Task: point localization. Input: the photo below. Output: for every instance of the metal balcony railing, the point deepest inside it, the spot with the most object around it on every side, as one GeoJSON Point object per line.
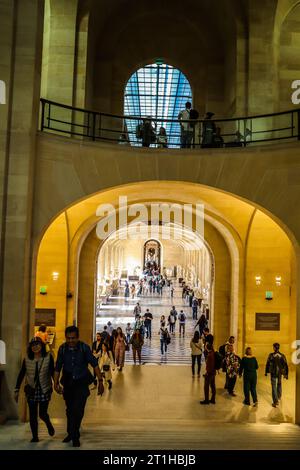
{"type": "Point", "coordinates": [129, 130]}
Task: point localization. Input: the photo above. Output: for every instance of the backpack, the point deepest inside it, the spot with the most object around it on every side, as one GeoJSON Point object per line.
{"type": "Point", "coordinates": [218, 360]}
{"type": "Point", "coordinates": [182, 317]}
{"type": "Point", "coordinates": [222, 350]}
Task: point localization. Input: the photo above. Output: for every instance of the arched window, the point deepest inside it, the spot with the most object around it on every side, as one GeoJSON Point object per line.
{"type": "Point", "coordinates": [160, 91]}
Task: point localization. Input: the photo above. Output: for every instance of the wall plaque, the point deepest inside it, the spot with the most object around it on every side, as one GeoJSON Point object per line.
{"type": "Point", "coordinates": [267, 321]}
{"type": "Point", "coordinates": [45, 316]}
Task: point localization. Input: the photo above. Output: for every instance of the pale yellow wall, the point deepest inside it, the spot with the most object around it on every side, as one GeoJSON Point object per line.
{"type": "Point", "coordinates": [53, 257]}
{"type": "Point", "coordinates": [268, 255]}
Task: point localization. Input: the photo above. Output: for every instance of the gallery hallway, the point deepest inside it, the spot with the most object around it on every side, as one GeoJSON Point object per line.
{"type": "Point", "coordinates": [120, 312]}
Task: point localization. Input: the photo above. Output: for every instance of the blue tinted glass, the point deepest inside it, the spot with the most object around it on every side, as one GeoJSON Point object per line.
{"type": "Point", "coordinates": [159, 91]}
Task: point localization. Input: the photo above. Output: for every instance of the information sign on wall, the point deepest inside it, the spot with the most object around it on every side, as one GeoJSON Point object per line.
{"type": "Point", "coordinates": [267, 321]}
{"type": "Point", "coordinates": [45, 316]}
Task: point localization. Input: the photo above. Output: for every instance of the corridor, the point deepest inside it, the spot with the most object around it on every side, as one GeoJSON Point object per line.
{"type": "Point", "coordinates": [120, 312]}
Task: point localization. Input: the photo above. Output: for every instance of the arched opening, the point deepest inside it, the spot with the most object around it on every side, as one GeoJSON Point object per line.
{"type": "Point", "coordinates": [155, 267]}
{"type": "Point", "coordinates": [157, 91]}
{"type": "Point", "coordinates": [245, 242]}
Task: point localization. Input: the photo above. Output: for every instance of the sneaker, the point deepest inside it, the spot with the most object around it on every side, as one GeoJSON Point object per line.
{"type": "Point", "coordinates": [246, 403]}
{"type": "Point", "coordinates": [35, 439]}
{"type": "Point", "coordinates": [204, 402]}
{"type": "Point", "coordinates": [274, 405]}
{"type": "Point", "coordinates": [213, 402]}
{"type": "Point", "coordinates": [255, 404]}
{"type": "Point", "coordinates": [68, 438]}
{"type": "Point", "coordinates": [232, 394]}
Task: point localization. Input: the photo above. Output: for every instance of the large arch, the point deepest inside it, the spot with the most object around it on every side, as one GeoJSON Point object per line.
{"type": "Point", "coordinates": [237, 234]}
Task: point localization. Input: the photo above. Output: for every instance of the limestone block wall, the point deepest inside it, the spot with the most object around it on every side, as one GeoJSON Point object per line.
{"type": "Point", "coordinates": [21, 33]}
{"type": "Point", "coordinates": [289, 58]}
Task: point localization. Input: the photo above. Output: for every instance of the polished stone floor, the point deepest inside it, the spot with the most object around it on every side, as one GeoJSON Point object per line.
{"type": "Point", "coordinates": [156, 405]}
{"type": "Point", "coordinates": [120, 312]}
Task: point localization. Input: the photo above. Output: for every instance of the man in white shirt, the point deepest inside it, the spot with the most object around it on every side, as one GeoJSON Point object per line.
{"type": "Point", "coordinates": [187, 130]}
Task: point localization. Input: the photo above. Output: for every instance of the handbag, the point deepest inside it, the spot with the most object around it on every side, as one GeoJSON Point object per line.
{"type": "Point", "coordinates": [29, 391]}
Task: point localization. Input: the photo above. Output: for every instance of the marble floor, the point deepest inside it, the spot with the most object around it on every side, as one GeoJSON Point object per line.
{"type": "Point", "coordinates": [156, 405]}
{"type": "Point", "coordinates": [120, 312]}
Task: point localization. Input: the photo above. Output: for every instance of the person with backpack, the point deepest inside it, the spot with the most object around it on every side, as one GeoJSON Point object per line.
{"type": "Point", "coordinates": [73, 359]}
{"type": "Point", "coordinates": [277, 367]}
{"type": "Point", "coordinates": [232, 365]}
{"type": "Point", "coordinates": [196, 348]}
{"type": "Point", "coordinates": [146, 132]}
{"type": "Point", "coordinates": [164, 338]}
{"type": "Point", "coordinates": [182, 320]}
{"type": "Point", "coordinates": [249, 368]}
{"type": "Point", "coordinates": [210, 375]}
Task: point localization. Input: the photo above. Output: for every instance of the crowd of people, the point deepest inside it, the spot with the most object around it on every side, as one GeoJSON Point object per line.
{"type": "Point", "coordinates": [71, 377]}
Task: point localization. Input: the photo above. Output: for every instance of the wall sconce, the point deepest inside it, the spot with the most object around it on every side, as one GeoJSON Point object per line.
{"type": "Point", "coordinates": [55, 276]}
{"type": "Point", "coordinates": [258, 280]}
{"type": "Point", "coordinates": [278, 280]}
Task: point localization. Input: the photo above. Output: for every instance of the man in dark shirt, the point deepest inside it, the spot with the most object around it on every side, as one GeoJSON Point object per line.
{"type": "Point", "coordinates": [73, 357]}
{"type": "Point", "coordinates": [148, 323]}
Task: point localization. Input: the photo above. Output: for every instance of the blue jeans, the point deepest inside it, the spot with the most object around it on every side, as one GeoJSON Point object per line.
{"type": "Point", "coordinates": [276, 388]}
{"type": "Point", "coordinates": [162, 343]}
{"type": "Point", "coordinates": [148, 329]}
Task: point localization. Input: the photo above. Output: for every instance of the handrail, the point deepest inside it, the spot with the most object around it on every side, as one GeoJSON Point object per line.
{"type": "Point", "coordinates": [96, 125]}
{"type": "Point", "coordinates": [121, 116]}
